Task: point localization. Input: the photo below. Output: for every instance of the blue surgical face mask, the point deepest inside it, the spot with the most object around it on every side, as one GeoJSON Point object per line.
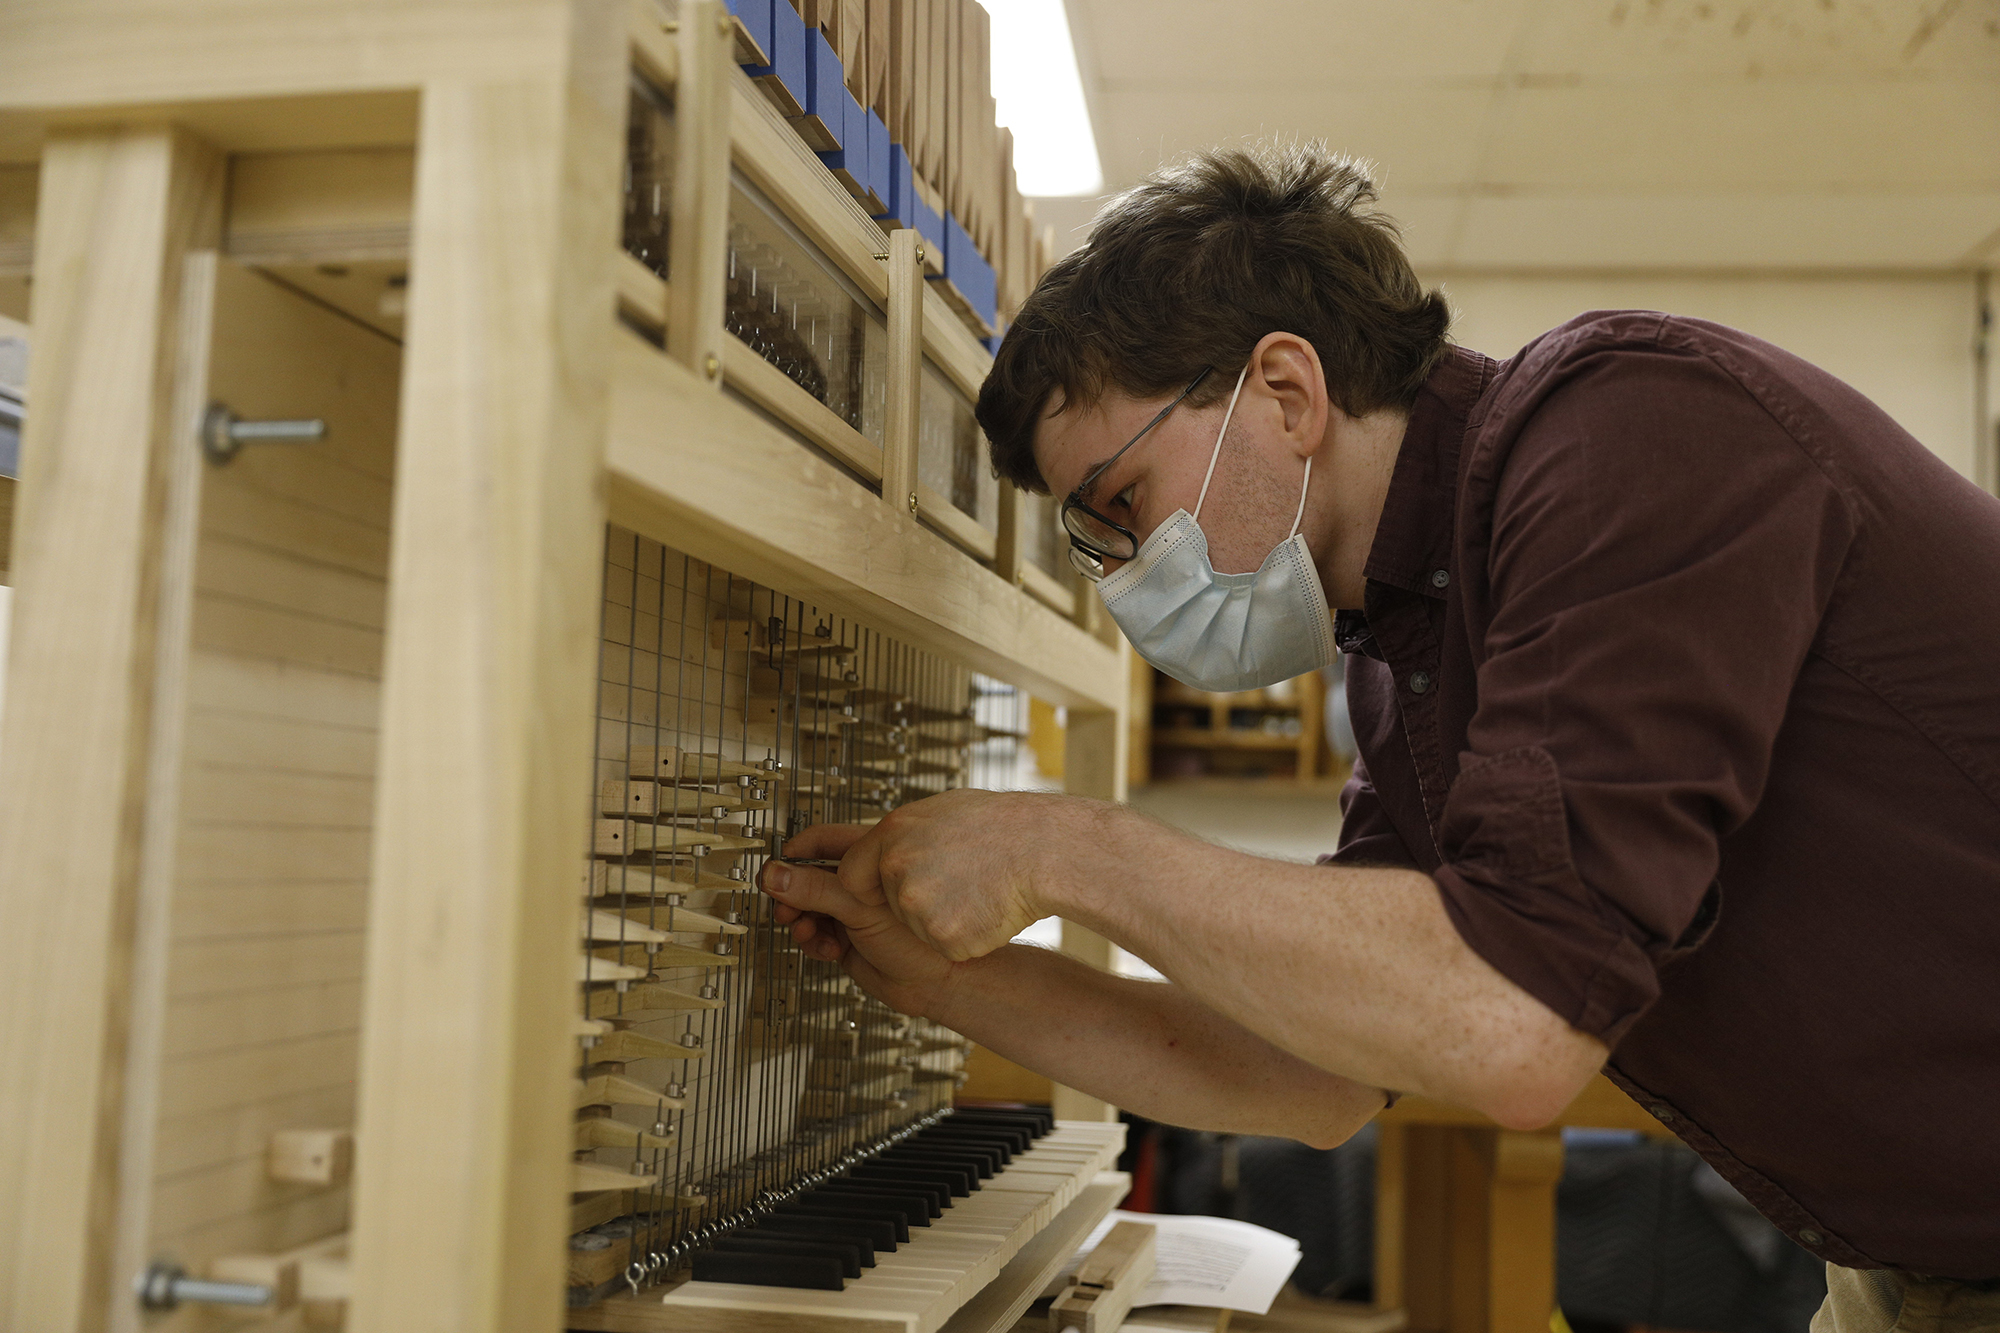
{"type": "Point", "coordinates": [1222, 631]}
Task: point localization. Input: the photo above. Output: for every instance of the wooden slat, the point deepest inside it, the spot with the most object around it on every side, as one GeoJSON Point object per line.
{"type": "Point", "coordinates": [771, 389]}
{"type": "Point", "coordinates": [496, 567]}
{"type": "Point", "coordinates": [101, 556]}
{"type": "Point", "coordinates": [731, 488]}
{"type": "Point", "coordinates": [905, 369]}
{"type": "Point", "coordinates": [698, 244]}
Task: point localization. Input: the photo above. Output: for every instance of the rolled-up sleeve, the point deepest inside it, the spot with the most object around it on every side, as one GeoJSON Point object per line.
{"type": "Point", "coordinates": [1662, 550]}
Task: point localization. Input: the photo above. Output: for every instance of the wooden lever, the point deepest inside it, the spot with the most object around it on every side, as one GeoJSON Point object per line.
{"type": "Point", "coordinates": [1101, 1292]}
{"type": "Point", "coordinates": [310, 1156]}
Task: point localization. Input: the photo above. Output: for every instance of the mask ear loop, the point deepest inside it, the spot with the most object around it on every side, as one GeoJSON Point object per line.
{"type": "Point", "coordinates": [1300, 516]}
{"type": "Point", "coordinates": [1218, 446]}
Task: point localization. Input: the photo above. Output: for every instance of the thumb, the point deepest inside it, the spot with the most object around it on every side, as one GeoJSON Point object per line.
{"type": "Point", "coordinates": [807, 889]}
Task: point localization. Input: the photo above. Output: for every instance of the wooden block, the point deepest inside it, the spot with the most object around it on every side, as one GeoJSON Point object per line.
{"type": "Point", "coordinates": [593, 971]}
{"type": "Point", "coordinates": [324, 1282]}
{"type": "Point", "coordinates": [596, 1209]}
{"type": "Point", "coordinates": [852, 44]}
{"type": "Point", "coordinates": [668, 764]}
{"type": "Point", "coordinates": [880, 22]}
{"type": "Point", "coordinates": [617, 1090]}
{"type": "Point", "coordinates": [616, 929]}
{"type": "Point", "coordinates": [310, 1156]}
{"type": "Point", "coordinates": [278, 1273]}
{"type": "Point", "coordinates": [601, 1131]}
{"type": "Point", "coordinates": [656, 957]}
{"type": "Point", "coordinates": [589, 1177]}
{"type": "Point", "coordinates": [619, 837]}
{"type": "Point", "coordinates": [624, 1045]}
{"type": "Point", "coordinates": [607, 880]}
{"type": "Point", "coordinates": [645, 999]}
{"type": "Point", "coordinates": [650, 800]}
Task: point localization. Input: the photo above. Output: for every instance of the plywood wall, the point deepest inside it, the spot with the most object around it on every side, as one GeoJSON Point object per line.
{"type": "Point", "coordinates": [261, 1027]}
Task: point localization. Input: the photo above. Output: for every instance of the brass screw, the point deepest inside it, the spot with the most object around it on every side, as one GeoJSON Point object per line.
{"type": "Point", "coordinates": [722, 22]}
{"type": "Point", "coordinates": [913, 502]}
{"type": "Point", "coordinates": [920, 254]}
{"type": "Point", "coordinates": [713, 365]}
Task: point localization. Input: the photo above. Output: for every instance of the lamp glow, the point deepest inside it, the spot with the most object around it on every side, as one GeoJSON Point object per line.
{"type": "Point", "coordinates": [1039, 92]}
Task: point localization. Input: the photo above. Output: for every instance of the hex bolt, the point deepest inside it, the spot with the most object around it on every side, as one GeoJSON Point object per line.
{"type": "Point", "coordinates": [165, 1286]}
{"type": "Point", "coordinates": [223, 433]}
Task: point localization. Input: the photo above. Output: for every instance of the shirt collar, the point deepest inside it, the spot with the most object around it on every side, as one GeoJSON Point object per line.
{"type": "Point", "coordinates": [1413, 541]}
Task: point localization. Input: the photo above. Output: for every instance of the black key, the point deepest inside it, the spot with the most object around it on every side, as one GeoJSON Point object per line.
{"type": "Point", "coordinates": [811, 1271]}
{"type": "Point", "coordinates": [1040, 1121]}
{"type": "Point", "coordinates": [962, 1177]}
{"type": "Point", "coordinates": [747, 1243]}
{"type": "Point", "coordinates": [814, 1205]}
{"type": "Point", "coordinates": [986, 1159]}
{"type": "Point", "coordinates": [935, 1183]}
{"type": "Point", "coordinates": [845, 1231]}
{"type": "Point", "coordinates": [1017, 1136]}
{"type": "Point", "coordinates": [916, 1207]}
{"type": "Point", "coordinates": [936, 1192]}
{"type": "Point", "coordinates": [990, 1142]}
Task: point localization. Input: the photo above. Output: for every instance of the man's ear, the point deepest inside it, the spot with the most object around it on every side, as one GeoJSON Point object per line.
{"type": "Point", "coordinates": [1287, 366]}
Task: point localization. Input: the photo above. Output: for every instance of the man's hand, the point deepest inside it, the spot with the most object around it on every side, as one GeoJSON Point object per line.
{"type": "Point", "coordinates": [966, 871]}
{"type": "Point", "coordinates": [877, 950]}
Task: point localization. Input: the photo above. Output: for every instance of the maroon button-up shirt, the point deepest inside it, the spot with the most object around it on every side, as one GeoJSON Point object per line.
{"type": "Point", "coordinates": [1677, 673]}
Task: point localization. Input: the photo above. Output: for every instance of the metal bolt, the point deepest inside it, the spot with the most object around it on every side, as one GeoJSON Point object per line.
{"type": "Point", "coordinates": [913, 502]}
{"type": "Point", "coordinates": [164, 1286]}
{"type": "Point", "coordinates": [223, 433]}
{"type": "Point", "coordinates": [920, 252]}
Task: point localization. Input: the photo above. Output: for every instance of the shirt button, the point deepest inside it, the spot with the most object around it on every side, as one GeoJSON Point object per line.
{"type": "Point", "coordinates": [1811, 1237]}
{"type": "Point", "coordinates": [1440, 578]}
{"type": "Point", "coordinates": [1420, 681]}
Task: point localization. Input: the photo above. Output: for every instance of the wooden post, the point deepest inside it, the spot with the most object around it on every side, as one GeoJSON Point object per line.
{"type": "Point", "coordinates": [1007, 543]}
{"type": "Point", "coordinates": [1391, 1191]}
{"type": "Point", "coordinates": [698, 241]}
{"type": "Point", "coordinates": [905, 369]}
{"type": "Point", "coordinates": [481, 823]}
{"type": "Point", "coordinates": [1093, 765]}
{"type": "Point", "coordinates": [1426, 1227]}
{"type": "Point", "coordinates": [1521, 1224]}
{"type": "Point", "coordinates": [103, 553]}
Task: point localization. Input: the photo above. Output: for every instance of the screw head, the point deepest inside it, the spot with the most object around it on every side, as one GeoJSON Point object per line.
{"type": "Point", "coordinates": [713, 365]}
{"type": "Point", "coordinates": [722, 23]}
{"type": "Point", "coordinates": [920, 252]}
{"type": "Point", "coordinates": [913, 502]}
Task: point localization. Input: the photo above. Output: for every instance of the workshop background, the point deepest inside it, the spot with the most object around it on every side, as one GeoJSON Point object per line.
{"type": "Point", "coordinates": [1821, 173]}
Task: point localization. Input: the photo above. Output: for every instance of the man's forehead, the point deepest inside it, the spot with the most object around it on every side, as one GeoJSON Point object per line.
{"type": "Point", "coordinates": [1070, 441]}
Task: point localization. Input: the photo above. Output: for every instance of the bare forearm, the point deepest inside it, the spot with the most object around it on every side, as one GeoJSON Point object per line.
{"type": "Point", "coordinates": [1149, 1048]}
{"type": "Point", "coordinates": [1358, 971]}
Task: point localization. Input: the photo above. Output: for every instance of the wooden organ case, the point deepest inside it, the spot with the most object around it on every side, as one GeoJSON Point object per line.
{"type": "Point", "coordinates": [378, 815]}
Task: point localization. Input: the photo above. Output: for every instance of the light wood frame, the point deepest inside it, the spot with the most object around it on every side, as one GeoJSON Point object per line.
{"type": "Point", "coordinates": [528, 417]}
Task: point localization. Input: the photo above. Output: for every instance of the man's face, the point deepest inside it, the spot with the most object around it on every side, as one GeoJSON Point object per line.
{"type": "Point", "coordinates": [1251, 498]}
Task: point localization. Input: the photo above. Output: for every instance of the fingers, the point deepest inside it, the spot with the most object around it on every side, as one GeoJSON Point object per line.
{"type": "Point", "coordinates": [827, 842]}
{"type": "Point", "coordinates": [805, 889]}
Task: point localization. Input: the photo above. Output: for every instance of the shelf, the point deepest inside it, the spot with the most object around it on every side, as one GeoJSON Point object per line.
{"type": "Point", "coordinates": [1204, 739]}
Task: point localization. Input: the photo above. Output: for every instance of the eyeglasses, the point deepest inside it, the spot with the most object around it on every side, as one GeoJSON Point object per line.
{"type": "Point", "coordinates": [1093, 538]}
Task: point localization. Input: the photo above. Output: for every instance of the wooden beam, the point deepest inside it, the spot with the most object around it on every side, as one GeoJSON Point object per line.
{"type": "Point", "coordinates": [488, 690]}
{"type": "Point", "coordinates": [905, 368]}
{"type": "Point", "coordinates": [707, 476]}
{"type": "Point", "coordinates": [698, 245]}
{"type": "Point", "coordinates": [103, 558]}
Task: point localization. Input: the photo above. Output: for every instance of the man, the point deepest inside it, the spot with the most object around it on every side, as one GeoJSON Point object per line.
{"type": "Point", "coordinates": [1669, 659]}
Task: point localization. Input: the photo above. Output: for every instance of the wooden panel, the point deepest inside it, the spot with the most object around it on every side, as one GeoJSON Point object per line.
{"type": "Point", "coordinates": [263, 971]}
{"type": "Point", "coordinates": [492, 647]}
{"type": "Point", "coordinates": [728, 487]}
{"type": "Point", "coordinates": [289, 208]}
{"type": "Point", "coordinates": [101, 588]}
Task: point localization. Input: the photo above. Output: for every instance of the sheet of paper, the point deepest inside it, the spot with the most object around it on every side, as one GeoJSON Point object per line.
{"type": "Point", "coordinates": [1211, 1261]}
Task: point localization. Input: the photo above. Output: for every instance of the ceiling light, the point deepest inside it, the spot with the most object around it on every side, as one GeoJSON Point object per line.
{"type": "Point", "coordinates": [1040, 96]}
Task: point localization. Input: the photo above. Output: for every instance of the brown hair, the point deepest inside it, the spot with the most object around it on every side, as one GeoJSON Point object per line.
{"type": "Point", "coordinates": [1192, 268]}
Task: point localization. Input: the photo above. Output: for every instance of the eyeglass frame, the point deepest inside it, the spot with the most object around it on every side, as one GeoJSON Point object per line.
{"type": "Point", "coordinates": [1074, 502]}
